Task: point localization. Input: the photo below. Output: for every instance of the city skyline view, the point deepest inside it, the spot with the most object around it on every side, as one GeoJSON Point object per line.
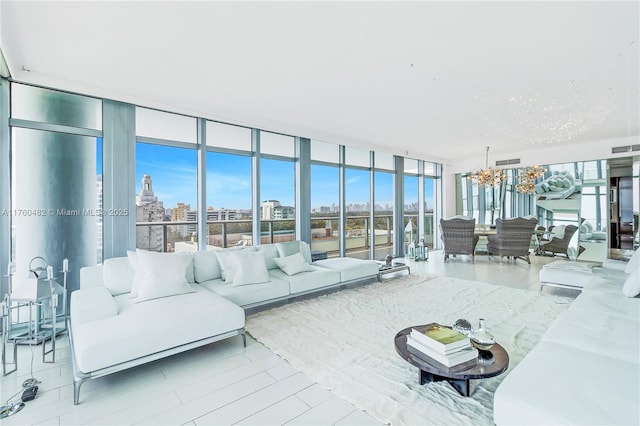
{"type": "Point", "coordinates": [174, 174]}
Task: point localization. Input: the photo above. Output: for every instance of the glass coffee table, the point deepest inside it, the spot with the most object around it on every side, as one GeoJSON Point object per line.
{"type": "Point", "coordinates": [497, 364]}
{"type": "Point", "coordinates": [385, 268]}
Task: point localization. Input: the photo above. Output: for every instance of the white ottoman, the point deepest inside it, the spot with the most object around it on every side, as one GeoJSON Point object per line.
{"type": "Point", "coordinates": [564, 273]}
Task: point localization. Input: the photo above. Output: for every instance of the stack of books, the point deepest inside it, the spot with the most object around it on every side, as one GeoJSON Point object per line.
{"type": "Point", "coordinates": [442, 347]}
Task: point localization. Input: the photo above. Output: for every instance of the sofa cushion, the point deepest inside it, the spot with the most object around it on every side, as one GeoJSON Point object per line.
{"type": "Point", "coordinates": [161, 275]}
{"type": "Point", "coordinates": [91, 304]}
{"type": "Point", "coordinates": [350, 268]}
{"type": "Point", "coordinates": [146, 328]}
{"type": "Point", "coordinates": [249, 294]}
{"type": "Point", "coordinates": [608, 333]}
{"type": "Point", "coordinates": [249, 268]}
{"type": "Point", "coordinates": [293, 264]}
{"type": "Point", "coordinates": [117, 275]}
{"type": "Point", "coordinates": [308, 281]}
{"type": "Point", "coordinates": [205, 266]}
{"type": "Point", "coordinates": [556, 384]}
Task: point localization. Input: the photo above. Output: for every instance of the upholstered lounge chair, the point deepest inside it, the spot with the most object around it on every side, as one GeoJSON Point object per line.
{"type": "Point", "coordinates": [560, 245]}
{"type": "Point", "coordinates": [458, 236]}
{"type": "Point", "coordinates": [513, 238]}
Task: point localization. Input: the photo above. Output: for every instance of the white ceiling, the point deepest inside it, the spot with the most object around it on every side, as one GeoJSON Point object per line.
{"type": "Point", "coordinates": [432, 80]}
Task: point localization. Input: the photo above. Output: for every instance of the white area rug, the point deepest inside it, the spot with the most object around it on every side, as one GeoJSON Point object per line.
{"type": "Point", "coordinates": [344, 342]}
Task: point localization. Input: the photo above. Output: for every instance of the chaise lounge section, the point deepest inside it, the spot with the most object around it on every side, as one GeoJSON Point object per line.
{"type": "Point", "coordinates": [586, 368]}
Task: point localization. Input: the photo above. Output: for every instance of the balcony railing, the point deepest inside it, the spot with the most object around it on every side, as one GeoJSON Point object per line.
{"type": "Point", "coordinates": [182, 235]}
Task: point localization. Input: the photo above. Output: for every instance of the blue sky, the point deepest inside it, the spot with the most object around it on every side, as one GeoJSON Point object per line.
{"type": "Point", "coordinates": [173, 173]}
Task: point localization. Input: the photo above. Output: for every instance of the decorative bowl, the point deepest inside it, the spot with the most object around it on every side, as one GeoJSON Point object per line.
{"type": "Point", "coordinates": [462, 326]}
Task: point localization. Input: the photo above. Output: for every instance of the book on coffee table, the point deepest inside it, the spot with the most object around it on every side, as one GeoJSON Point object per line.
{"type": "Point", "coordinates": [463, 366]}
{"type": "Point", "coordinates": [442, 339]}
{"type": "Point", "coordinates": [447, 360]}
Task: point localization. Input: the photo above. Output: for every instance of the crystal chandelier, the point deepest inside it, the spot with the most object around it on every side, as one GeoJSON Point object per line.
{"type": "Point", "coordinates": [488, 176]}
{"type": "Point", "coordinates": [528, 176]}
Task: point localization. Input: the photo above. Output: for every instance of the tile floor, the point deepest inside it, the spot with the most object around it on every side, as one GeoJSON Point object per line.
{"type": "Point", "coordinates": [222, 383]}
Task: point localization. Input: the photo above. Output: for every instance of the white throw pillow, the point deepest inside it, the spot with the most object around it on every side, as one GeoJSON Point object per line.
{"type": "Point", "coordinates": [225, 262]}
{"type": "Point", "coordinates": [249, 268]}
{"type": "Point", "coordinates": [205, 265]}
{"type": "Point", "coordinates": [117, 275]}
{"type": "Point", "coordinates": [293, 247]}
{"type": "Point", "coordinates": [631, 286]}
{"type": "Point", "coordinates": [558, 232]}
{"type": "Point", "coordinates": [161, 275]}
{"type": "Point", "coordinates": [288, 248]}
{"type": "Point", "coordinates": [634, 263]}
{"type": "Point", "coordinates": [293, 264]}
{"type": "Point", "coordinates": [588, 226]}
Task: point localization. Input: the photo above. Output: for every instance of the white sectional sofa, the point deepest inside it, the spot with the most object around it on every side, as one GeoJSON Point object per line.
{"type": "Point", "coordinates": [319, 275]}
{"type": "Point", "coordinates": [586, 368]}
{"type": "Point", "coordinates": [136, 309]}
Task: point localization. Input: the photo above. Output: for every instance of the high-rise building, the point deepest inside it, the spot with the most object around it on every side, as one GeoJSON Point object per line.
{"type": "Point", "coordinates": [149, 209]}
{"type": "Point", "coordinates": [191, 229]}
{"type": "Point", "coordinates": [222, 214]}
{"type": "Point", "coordinates": [272, 209]}
{"type": "Point", "coordinates": [267, 208]}
{"type": "Point", "coordinates": [179, 214]}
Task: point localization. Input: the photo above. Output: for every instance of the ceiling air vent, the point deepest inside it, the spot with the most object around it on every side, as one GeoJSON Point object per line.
{"type": "Point", "coordinates": [619, 149]}
{"type": "Point", "coordinates": [507, 162]}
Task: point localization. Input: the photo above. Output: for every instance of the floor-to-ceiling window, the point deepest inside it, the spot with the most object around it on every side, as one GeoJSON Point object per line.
{"type": "Point", "coordinates": [411, 197]}
{"type": "Point", "coordinates": [228, 183]}
{"type": "Point", "coordinates": [277, 188]}
{"type": "Point", "coordinates": [357, 203]}
{"type": "Point", "coordinates": [166, 181]}
{"type": "Point", "coordinates": [325, 199]}
{"type": "Point", "coordinates": [383, 205]}
{"type": "Point", "coordinates": [430, 196]}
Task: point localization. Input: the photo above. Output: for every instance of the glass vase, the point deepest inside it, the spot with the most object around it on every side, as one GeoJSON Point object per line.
{"type": "Point", "coordinates": [481, 338]}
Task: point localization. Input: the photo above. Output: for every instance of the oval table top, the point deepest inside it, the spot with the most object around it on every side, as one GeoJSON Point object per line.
{"type": "Point", "coordinates": [483, 369]}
